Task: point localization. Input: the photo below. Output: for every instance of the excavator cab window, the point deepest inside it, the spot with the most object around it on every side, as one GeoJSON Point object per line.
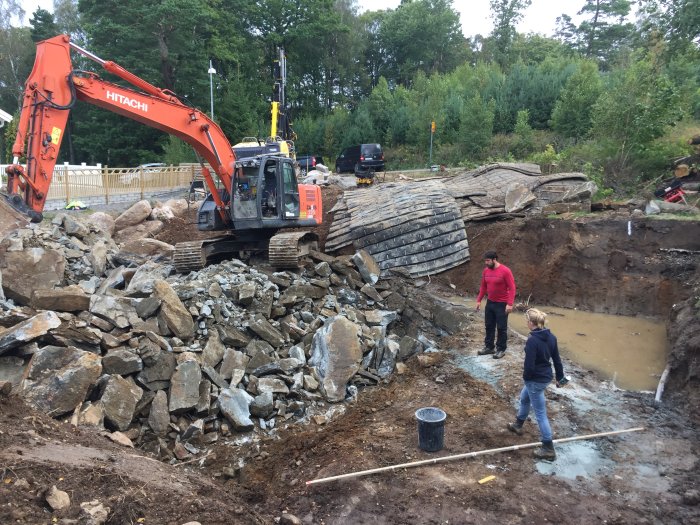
{"type": "Point", "coordinates": [269, 196]}
{"type": "Point", "coordinates": [291, 191]}
{"type": "Point", "coordinates": [245, 191]}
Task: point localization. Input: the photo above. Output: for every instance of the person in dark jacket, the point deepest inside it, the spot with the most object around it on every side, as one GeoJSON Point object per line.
{"type": "Point", "coordinates": [541, 351]}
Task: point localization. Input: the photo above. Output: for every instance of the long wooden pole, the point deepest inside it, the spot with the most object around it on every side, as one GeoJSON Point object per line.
{"type": "Point", "coordinates": [466, 455]}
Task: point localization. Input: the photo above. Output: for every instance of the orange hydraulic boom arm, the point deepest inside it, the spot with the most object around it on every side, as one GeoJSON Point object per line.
{"type": "Point", "coordinates": [51, 91]}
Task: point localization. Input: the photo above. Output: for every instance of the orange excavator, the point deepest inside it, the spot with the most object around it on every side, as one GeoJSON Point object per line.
{"type": "Point", "coordinates": [253, 199]}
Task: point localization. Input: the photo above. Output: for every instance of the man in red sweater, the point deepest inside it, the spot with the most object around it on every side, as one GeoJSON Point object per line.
{"type": "Point", "coordinates": [498, 284]}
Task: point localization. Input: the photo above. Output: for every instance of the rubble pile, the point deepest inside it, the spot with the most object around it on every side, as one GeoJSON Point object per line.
{"type": "Point", "coordinates": [107, 335]}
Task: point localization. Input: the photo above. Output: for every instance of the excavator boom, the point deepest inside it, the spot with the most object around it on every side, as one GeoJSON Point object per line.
{"type": "Point", "coordinates": [51, 91]}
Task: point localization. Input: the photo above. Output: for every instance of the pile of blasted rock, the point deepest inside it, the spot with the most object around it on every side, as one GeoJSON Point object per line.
{"type": "Point", "coordinates": [179, 361]}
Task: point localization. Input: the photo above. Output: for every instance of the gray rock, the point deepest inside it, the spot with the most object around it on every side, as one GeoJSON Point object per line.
{"type": "Point", "coordinates": [214, 350]}
{"type": "Point", "coordinates": [121, 361]}
{"type": "Point", "coordinates": [367, 266]}
{"type": "Point", "coordinates": [380, 317]}
{"type": "Point", "coordinates": [94, 513]}
{"type": "Point", "coordinates": [263, 405]}
{"type": "Point", "coordinates": [336, 354]}
{"type": "Point", "coordinates": [159, 367]}
{"type": "Point", "coordinates": [174, 313]}
{"type": "Point", "coordinates": [147, 248]}
{"type": "Point", "coordinates": [159, 416]}
{"type": "Point", "coordinates": [204, 396]}
{"type": "Point", "coordinates": [98, 258]}
{"type": "Point", "coordinates": [103, 222]}
{"type": "Point", "coordinates": [235, 406]}
{"type": "Point", "coordinates": [231, 336]}
{"type": "Point", "coordinates": [297, 352]}
{"type": "Point", "coordinates": [74, 226]}
{"type": "Point", "coordinates": [408, 346]}
{"type": "Point", "coordinates": [26, 331]}
{"type": "Point", "coordinates": [68, 299]}
{"type": "Point", "coordinates": [372, 293]}
{"type": "Point", "coordinates": [215, 377]}
{"type": "Point", "coordinates": [29, 270]}
{"type": "Point", "coordinates": [246, 294]}
{"type": "Point", "coordinates": [323, 269]}
{"type": "Point", "coordinates": [147, 307]}
{"type": "Point", "coordinates": [59, 378]}
{"type": "Point", "coordinates": [289, 519]}
{"type": "Point", "coordinates": [57, 499]}
{"type": "Point", "coordinates": [11, 370]}
{"type": "Point", "coordinates": [273, 385]}
{"type": "Point", "coordinates": [184, 386]}
{"type": "Point", "coordinates": [138, 213]}
{"type": "Point", "coordinates": [140, 231]}
{"type": "Point", "coordinates": [117, 310]}
{"type": "Point", "coordinates": [233, 359]}
{"type": "Point", "coordinates": [266, 331]}
{"type": "Point", "coordinates": [451, 318]}
{"type": "Point", "coordinates": [141, 284]}
{"type": "Point", "coordinates": [119, 401]}
{"type": "Point", "coordinates": [289, 364]}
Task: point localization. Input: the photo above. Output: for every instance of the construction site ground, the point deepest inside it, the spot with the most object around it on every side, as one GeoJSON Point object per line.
{"type": "Point", "coordinates": [650, 476]}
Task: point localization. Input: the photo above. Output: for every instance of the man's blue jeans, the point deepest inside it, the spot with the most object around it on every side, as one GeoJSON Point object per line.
{"type": "Point", "coordinates": [532, 394]}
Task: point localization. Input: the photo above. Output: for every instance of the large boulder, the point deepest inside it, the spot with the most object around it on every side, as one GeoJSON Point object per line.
{"type": "Point", "coordinates": [140, 231]}
{"type": "Point", "coordinates": [184, 386]}
{"type": "Point", "coordinates": [103, 222]}
{"type": "Point", "coordinates": [26, 331]}
{"type": "Point", "coordinates": [235, 406]}
{"type": "Point", "coordinates": [176, 316]}
{"type": "Point", "coordinates": [148, 248]}
{"type": "Point", "coordinates": [336, 354]}
{"type": "Point", "coordinates": [138, 213]}
{"type": "Point", "coordinates": [119, 401]}
{"type": "Point", "coordinates": [58, 378]}
{"type": "Point", "coordinates": [31, 269]}
{"type": "Point", "coordinates": [69, 299]}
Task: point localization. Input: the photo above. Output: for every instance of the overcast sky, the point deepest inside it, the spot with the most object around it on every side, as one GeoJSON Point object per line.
{"type": "Point", "coordinates": [540, 17]}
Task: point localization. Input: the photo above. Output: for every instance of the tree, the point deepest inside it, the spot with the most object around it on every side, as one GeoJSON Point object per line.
{"type": "Point", "coordinates": [476, 127]}
{"type": "Point", "coordinates": [572, 112]}
{"type": "Point", "coordinates": [638, 106]}
{"type": "Point", "coordinates": [422, 35]}
{"type": "Point", "coordinates": [677, 20]}
{"type": "Point", "coordinates": [42, 25]}
{"type": "Point", "coordinates": [505, 14]}
{"type": "Point", "coordinates": [603, 31]}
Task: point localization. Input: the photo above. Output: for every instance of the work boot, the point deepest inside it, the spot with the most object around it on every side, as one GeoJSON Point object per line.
{"type": "Point", "coordinates": [499, 354]}
{"type": "Point", "coordinates": [546, 451]}
{"type": "Point", "coordinates": [516, 427]}
{"type": "Point", "coordinates": [486, 350]}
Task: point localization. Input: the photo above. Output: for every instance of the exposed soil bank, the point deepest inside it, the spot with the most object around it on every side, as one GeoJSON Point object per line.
{"type": "Point", "coordinates": [590, 263]}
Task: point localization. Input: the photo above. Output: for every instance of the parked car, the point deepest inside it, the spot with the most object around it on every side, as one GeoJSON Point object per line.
{"type": "Point", "coordinates": [133, 175]}
{"type": "Point", "coordinates": [360, 159]}
{"type": "Point", "coordinates": [308, 163]}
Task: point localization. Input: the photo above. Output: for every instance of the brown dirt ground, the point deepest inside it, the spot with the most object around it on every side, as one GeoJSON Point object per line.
{"type": "Point", "coordinates": [643, 477]}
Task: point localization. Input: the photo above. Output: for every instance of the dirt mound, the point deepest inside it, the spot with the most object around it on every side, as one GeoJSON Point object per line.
{"type": "Point", "coordinates": [37, 452]}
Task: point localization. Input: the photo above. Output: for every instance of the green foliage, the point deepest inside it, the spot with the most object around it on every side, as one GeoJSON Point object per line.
{"type": "Point", "coordinates": [476, 127]}
{"type": "Point", "coordinates": [638, 106]}
{"type": "Point", "coordinates": [597, 175]}
{"type": "Point", "coordinates": [177, 151]}
{"type": "Point", "coordinates": [42, 25]}
{"type": "Point", "coordinates": [571, 116]}
{"type": "Point", "coordinates": [506, 14]}
{"type": "Point", "coordinates": [548, 160]}
{"type": "Point", "coordinates": [422, 35]}
{"type": "Point", "coordinates": [523, 135]}
{"type": "Point", "coordinates": [10, 132]}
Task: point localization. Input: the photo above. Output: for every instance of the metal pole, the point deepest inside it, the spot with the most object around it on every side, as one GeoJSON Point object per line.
{"type": "Point", "coordinates": [211, 88]}
{"type": "Point", "coordinates": [467, 455]}
{"type": "Point", "coordinates": [430, 162]}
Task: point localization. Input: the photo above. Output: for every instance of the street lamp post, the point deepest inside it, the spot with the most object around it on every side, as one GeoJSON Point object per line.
{"type": "Point", "coordinates": [211, 72]}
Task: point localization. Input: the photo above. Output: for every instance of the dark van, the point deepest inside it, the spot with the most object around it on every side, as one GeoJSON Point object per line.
{"type": "Point", "coordinates": [360, 159]}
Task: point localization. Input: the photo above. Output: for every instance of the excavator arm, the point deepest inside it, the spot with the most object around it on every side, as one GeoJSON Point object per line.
{"type": "Point", "coordinates": [51, 91]}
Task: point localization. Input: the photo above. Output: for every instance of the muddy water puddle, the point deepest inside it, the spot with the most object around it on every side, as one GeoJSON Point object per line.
{"type": "Point", "coordinates": [630, 351]}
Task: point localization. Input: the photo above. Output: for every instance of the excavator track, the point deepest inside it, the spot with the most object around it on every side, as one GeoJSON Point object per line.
{"type": "Point", "coordinates": [190, 256]}
{"type": "Point", "coordinates": [287, 249]}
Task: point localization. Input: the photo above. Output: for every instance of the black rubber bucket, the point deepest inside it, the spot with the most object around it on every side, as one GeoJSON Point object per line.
{"type": "Point", "coordinates": [431, 428]}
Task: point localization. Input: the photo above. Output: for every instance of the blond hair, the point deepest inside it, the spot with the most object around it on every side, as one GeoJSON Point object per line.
{"type": "Point", "coordinates": [536, 317]}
